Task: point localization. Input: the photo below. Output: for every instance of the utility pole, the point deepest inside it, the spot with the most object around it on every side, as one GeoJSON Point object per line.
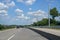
{"type": "Point", "coordinates": [49, 12]}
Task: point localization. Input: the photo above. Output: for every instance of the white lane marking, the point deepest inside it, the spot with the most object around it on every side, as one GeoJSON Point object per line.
{"type": "Point", "coordinates": [14, 34]}
{"type": "Point", "coordinates": [11, 37]}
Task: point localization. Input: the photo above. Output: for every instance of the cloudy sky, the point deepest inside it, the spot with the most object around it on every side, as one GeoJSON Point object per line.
{"type": "Point", "coordinates": [21, 12]}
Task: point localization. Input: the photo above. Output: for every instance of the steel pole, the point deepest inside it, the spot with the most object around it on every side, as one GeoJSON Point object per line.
{"type": "Point", "coordinates": [49, 14]}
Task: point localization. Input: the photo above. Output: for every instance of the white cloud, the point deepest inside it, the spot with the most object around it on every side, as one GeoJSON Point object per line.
{"type": "Point", "coordinates": [36, 13]}
{"type": "Point", "coordinates": [6, 14]}
{"type": "Point", "coordinates": [27, 17]}
{"type": "Point", "coordinates": [3, 6]}
{"type": "Point", "coordinates": [12, 4]}
{"type": "Point", "coordinates": [9, 3]}
{"type": "Point", "coordinates": [22, 16]}
{"type": "Point", "coordinates": [39, 14]}
{"type": "Point", "coordinates": [3, 11]}
{"type": "Point", "coordinates": [34, 20]}
{"type": "Point", "coordinates": [28, 2]}
{"type": "Point", "coordinates": [19, 11]}
{"type": "Point", "coordinates": [57, 18]}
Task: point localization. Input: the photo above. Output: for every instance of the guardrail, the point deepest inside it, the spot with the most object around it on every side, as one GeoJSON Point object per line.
{"type": "Point", "coordinates": [53, 27]}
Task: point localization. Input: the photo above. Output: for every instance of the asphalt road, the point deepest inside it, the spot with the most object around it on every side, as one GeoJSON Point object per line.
{"type": "Point", "coordinates": [20, 34]}
{"type": "Point", "coordinates": [49, 34]}
{"type": "Point", "coordinates": [4, 35]}
{"type": "Point", "coordinates": [51, 31]}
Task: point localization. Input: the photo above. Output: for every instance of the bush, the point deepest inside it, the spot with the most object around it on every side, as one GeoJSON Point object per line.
{"type": "Point", "coordinates": [5, 27]}
{"type": "Point", "coordinates": [1, 27]}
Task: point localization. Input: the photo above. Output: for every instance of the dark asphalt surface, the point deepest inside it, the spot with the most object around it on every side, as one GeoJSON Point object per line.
{"type": "Point", "coordinates": [26, 34]}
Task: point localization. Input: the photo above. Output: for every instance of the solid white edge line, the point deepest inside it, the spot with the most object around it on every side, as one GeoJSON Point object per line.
{"type": "Point", "coordinates": [11, 37]}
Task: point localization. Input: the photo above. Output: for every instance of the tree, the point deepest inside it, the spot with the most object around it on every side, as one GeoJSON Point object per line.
{"type": "Point", "coordinates": [44, 22]}
{"type": "Point", "coordinates": [54, 12]}
{"type": "Point", "coordinates": [1, 27]}
{"type": "Point", "coordinates": [34, 24]}
{"type": "Point", "coordinates": [53, 22]}
{"type": "Point", "coordinates": [58, 22]}
{"type": "Point", "coordinates": [59, 14]}
{"type": "Point", "coordinates": [41, 23]}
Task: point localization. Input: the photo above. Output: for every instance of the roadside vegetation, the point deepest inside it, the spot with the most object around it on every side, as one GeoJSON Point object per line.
{"type": "Point", "coordinates": [44, 22]}
{"type": "Point", "coordinates": [3, 27]}
{"type": "Point", "coordinates": [53, 22]}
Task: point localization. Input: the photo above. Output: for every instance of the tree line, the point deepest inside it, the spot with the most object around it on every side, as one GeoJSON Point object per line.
{"type": "Point", "coordinates": [2, 27]}
{"type": "Point", "coordinates": [53, 22]}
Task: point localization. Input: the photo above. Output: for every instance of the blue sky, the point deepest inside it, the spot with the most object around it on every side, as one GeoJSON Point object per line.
{"type": "Point", "coordinates": [22, 12]}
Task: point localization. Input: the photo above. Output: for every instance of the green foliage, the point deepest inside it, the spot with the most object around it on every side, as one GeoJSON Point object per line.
{"type": "Point", "coordinates": [44, 22]}
{"type": "Point", "coordinates": [58, 22]}
{"type": "Point", "coordinates": [53, 24]}
{"type": "Point", "coordinates": [41, 23]}
{"type": "Point", "coordinates": [2, 27]}
{"type": "Point", "coordinates": [52, 21]}
{"type": "Point", "coordinates": [34, 24]}
{"type": "Point", "coordinates": [54, 12]}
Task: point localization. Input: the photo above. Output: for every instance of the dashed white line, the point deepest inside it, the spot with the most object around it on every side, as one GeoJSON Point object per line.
{"type": "Point", "coordinates": [14, 34]}
{"type": "Point", "coordinates": [11, 37]}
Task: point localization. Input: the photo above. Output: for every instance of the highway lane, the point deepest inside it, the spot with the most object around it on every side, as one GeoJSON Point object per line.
{"type": "Point", "coordinates": [20, 34]}
{"type": "Point", "coordinates": [4, 35]}
{"type": "Point", "coordinates": [26, 34]}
